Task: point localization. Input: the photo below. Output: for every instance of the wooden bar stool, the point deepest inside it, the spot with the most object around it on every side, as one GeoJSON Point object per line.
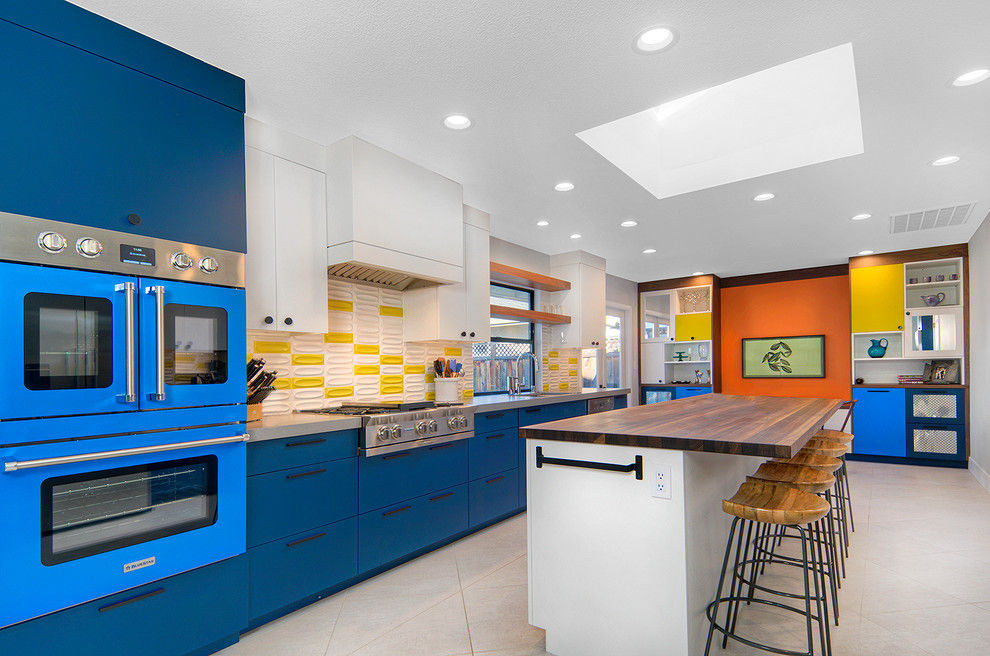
{"type": "Point", "coordinates": [823, 455]}
{"type": "Point", "coordinates": [806, 479]}
{"type": "Point", "coordinates": [843, 476]}
{"type": "Point", "coordinates": [759, 503]}
{"type": "Point", "coordinates": [836, 450]}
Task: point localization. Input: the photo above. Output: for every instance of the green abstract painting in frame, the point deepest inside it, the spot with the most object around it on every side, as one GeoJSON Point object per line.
{"type": "Point", "coordinates": [801, 356]}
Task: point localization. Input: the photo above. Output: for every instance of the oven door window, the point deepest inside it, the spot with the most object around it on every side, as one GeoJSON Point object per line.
{"type": "Point", "coordinates": [68, 342]}
{"type": "Point", "coordinates": [87, 514]}
{"type": "Point", "coordinates": [195, 345]}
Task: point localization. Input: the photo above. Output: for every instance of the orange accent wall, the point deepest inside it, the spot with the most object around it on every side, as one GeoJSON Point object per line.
{"type": "Point", "coordinates": [819, 306]}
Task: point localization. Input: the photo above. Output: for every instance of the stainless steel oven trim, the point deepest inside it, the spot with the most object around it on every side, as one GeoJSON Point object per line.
{"type": "Point", "coordinates": [15, 465]}
{"type": "Point", "coordinates": [19, 238]}
{"type": "Point", "coordinates": [415, 444]}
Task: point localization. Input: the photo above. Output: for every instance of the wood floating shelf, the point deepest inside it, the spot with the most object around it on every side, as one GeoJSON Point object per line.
{"type": "Point", "coordinates": [504, 312]}
{"type": "Point", "coordinates": [502, 273]}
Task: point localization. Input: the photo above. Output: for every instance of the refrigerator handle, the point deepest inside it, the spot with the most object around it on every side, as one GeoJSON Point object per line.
{"type": "Point", "coordinates": [159, 292]}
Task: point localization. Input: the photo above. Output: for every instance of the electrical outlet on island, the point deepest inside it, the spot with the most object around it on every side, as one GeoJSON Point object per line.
{"type": "Point", "coordinates": [659, 479]}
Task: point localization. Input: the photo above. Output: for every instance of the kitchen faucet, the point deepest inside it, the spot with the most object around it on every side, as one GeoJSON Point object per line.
{"type": "Point", "coordinates": [514, 380]}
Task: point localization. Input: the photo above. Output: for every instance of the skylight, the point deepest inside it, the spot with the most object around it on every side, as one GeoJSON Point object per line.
{"type": "Point", "coordinates": [802, 112]}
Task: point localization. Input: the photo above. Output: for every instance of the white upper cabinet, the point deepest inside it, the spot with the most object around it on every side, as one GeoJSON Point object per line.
{"type": "Point", "coordinates": [285, 266]}
{"type": "Point", "coordinates": [458, 312]}
{"type": "Point", "coordinates": [386, 213]}
{"type": "Point", "coordinates": [584, 302]}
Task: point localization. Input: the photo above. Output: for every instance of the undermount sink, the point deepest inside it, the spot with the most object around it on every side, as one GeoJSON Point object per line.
{"type": "Point", "coordinates": [542, 394]}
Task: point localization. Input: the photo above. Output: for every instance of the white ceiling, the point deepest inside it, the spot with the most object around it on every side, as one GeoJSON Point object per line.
{"type": "Point", "coordinates": [531, 74]}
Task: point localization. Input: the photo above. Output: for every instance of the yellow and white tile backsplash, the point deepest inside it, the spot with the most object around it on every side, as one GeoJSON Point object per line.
{"type": "Point", "coordinates": [561, 367]}
{"type": "Point", "coordinates": [361, 358]}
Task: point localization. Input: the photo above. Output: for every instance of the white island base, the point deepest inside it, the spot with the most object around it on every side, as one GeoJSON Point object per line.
{"type": "Point", "coordinates": [615, 570]}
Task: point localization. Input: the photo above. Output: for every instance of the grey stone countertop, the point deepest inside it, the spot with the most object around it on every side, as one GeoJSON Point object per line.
{"type": "Point", "coordinates": [276, 427]}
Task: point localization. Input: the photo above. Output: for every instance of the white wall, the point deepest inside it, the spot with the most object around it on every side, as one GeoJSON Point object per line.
{"type": "Point", "coordinates": [979, 364]}
{"type": "Point", "coordinates": [514, 255]}
{"type": "Point", "coordinates": [625, 293]}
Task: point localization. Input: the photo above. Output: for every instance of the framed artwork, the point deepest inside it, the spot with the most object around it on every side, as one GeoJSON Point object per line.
{"type": "Point", "coordinates": [942, 372]}
{"type": "Point", "coordinates": [800, 356]}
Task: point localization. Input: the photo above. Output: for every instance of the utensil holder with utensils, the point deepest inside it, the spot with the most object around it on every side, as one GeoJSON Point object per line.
{"type": "Point", "coordinates": [446, 390]}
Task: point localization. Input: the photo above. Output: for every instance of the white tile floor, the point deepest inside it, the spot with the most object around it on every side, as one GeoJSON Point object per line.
{"type": "Point", "coordinates": [918, 583]}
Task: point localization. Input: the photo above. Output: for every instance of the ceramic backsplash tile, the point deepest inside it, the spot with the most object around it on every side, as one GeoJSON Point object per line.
{"type": "Point", "coordinates": [361, 358]}
{"type": "Point", "coordinates": [561, 367]}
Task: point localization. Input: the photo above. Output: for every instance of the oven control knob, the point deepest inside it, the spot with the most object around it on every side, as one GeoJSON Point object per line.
{"type": "Point", "coordinates": [89, 247]}
{"type": "Point", "coordinates": [421, 428]}
{"type": "Point", "coordinates": [432, 427]}
{"type": "Point", "coordinates": [51, 242]}
{"type": "Point", "coordinates": [463, 422]}
{"type": "Point", "coordinates": [209, 265]}
{"type": "Point", "coordinates": [452, 423]}
{"type": "Point", "coordinates": [181, 261]}
{"type": "Point", "coordinates": [383, 433]}
{"type": "Point", "coordinates": [396, 431]}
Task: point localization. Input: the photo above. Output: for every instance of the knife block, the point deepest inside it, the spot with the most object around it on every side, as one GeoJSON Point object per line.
{"type": "Point", "coordinates": [253, 411]}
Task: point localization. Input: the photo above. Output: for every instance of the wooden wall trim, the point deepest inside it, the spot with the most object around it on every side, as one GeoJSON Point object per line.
{"type": "Point", "coordinates": [786, 276]}
{"type": "Point", "coordinates": [916, 255]}
{"type": "Point", "coordinates": [676, 283]}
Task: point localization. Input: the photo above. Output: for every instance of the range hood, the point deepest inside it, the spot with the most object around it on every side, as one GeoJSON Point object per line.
{"type": "Point", "coordinates": [391, 223]}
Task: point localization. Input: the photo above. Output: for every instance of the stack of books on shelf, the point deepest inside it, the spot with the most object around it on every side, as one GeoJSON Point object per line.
{"type": "Point", "coordinates": [913, 379]}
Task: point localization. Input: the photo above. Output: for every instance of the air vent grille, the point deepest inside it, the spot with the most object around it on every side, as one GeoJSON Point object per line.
{"type": "Point", "coordinates": [366, 275]}
{"type": "Point", "coordinates": [928, 219]}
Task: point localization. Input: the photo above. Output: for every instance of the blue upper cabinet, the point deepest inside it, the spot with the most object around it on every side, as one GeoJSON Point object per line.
{"type": "Point", "coordinates": [101, 122]}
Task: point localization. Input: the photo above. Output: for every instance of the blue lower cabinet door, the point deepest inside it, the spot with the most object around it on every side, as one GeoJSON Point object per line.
{"type": "Point", "coordinates": [177, 615]}
{"type": "Point", "coordinates": [935, 441]}
{"type": "Point", "coordinates": [293, 568]}
{"type": "Point", "coordinates": [293, 500]}
{"type": "Point", "coordinates": [649, 395]}
{"type": "Point", "coordinates": [521, 473]}
{"type": "Point", "coordinates": [388, 479]}
{"type": "Point", "coordinates": [273, 455]}
{"type": "Point", "coordinates": [686, 392]}
{"type": "Point", "coordinates": [493, 496]}
{"type": "Point", "coordinates": [879, 422]}
{"type": "Point", "coordinates": [620, 402]}
{"type": "Point", "coordinates": [393, 532]}
{"type": "Point", "coordinates": [485, 422]}
{"type": "Point", "coordinates": [493, 452]}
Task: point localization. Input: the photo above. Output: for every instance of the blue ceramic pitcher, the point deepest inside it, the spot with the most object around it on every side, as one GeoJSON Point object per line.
{"type": "Point", "coordinates": [877, 350]}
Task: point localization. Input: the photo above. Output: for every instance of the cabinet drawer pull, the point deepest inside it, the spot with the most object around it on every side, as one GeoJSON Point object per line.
{"type": "Point", "coordinates": [396, 511]}
{"type": "Point", "coordinates": [878, 391]}
{"type": "Point", "coordinates": [494, 480]}
{"type": "Point", "coordinates": [146, 595]}
{"type": "Point", "coordinates": [308, 473]}
{"type": "Point", "coordinates": [533, 409]}
{"type": "Point", "coordinates": [441, 446]}
{"type": "Point", "coordinates": [495, 416]}
{"type": "Point", "coordinates": [495, 436]}
{"type": "Point", "coordinates": [307, 539]}
{"type": "Point", "coordinates": [305, 442]}
{"type": "Point", "coordinates": [442, 496]}
{"type": "Point", "coordinates": [403, 454]}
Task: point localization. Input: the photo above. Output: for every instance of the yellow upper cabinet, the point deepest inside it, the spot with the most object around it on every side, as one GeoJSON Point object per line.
{"type": "Point", "coordinates": [693, 326]}
{"type": "Point", "coordinates": [877, 295]}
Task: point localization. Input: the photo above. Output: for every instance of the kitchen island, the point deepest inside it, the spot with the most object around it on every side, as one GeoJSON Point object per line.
{"type": "Point", "coordinates": [623, 558]}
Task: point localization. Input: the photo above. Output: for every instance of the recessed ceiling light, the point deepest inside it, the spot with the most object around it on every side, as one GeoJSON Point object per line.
{"type": "Point", "coordinates": [763, 197]}
{"type": "Point", "coordinates": [542, 223]}
{"type": "Point", "coordinates": [865, 253]}
{"type": "Point", "coordinates": [861, 217]}
{"type": "Point", "coordinates": [973, 77]}
{"type": "Point", "coordinates": [650, 250]}
{"type": "Point", "coordinates": [628, 224]}
{"type": "Point", "coordinates": [945, 161]}
{"type": "Point", "coordinates": [654, 39]}
{"type": "Point", "coordinates": [457, 122]}
{"type": "Point", "coordinates": [576, 236]}
{"type": "Point", "coordinates": [698, 273]}
{"type": "Point", "coordinates": [563, 186]}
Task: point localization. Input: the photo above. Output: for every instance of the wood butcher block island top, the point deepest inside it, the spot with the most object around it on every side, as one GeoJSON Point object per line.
{"type": "Point", "coordinates": [770, 426]}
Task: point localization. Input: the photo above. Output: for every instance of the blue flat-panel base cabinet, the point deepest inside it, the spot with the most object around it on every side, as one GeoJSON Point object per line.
{"type": "Point", "coordinates": [196, 612]}
{"type": "Point", "coordinates": [879, 422]}
{"type": "Point", "coordinates": [91, 140]}
{"type": "Point", "coordinates": [687, 392]}
{"type": "Point", "coordinates": [649, 394]}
